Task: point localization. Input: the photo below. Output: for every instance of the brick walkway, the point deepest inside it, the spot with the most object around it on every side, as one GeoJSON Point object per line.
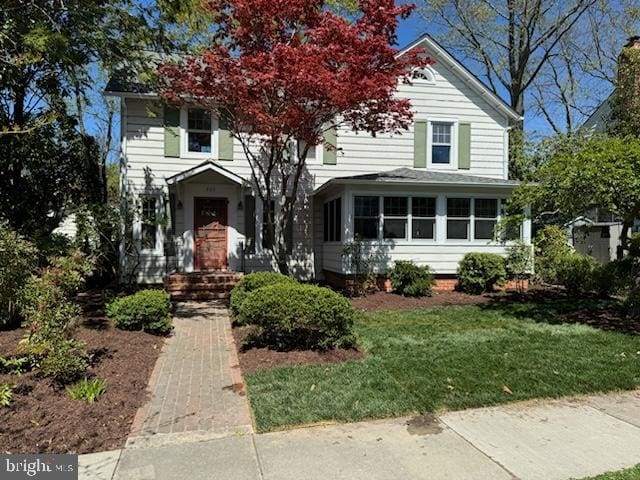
{"type": "Point", "coordinates": [193, 386]}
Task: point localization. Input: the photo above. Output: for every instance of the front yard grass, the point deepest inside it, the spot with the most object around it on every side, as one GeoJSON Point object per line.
{"type": "Point", "coordinates": [449, 358]}
{"type": "Point", "coordinates": [627, 474]}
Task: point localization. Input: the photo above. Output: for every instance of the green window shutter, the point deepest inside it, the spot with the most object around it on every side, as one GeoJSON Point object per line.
{"type": "Point", "coordinates": [330, 156]}
{"type": "Point", "coordinates": [171, 132]}
{"type": "Point", "coordinates": [250, 224]}
{"type": "Point", "coordinates": [225, 140]}
{"type": "Point", "coordinates": [464, 146]}
{"type": "Point", "coordinates": [420, 144]}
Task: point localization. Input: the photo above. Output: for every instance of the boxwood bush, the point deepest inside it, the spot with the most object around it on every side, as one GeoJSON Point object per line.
{"type": "Point", "coordinates": [147, 310]}
{"type": "Point", "coordinates": [291, 315]}
{"type": "Point", "coordinates": [411, 280]}
{"type": "Point", "coordinates": [481, 272]}
{"type": "Point", "coordinates": [578, 273]}
{"type": "Point", "coordinates": [251, 282]}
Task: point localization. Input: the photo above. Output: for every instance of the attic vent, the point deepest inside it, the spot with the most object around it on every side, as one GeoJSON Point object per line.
{"type": "Point", "coordinates": [423, 75]}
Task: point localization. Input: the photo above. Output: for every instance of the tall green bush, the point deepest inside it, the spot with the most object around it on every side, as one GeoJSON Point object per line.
{"type": "Point", "coordinates": [251, 282]}
{"type": "Point", "coordinates": [148, 310]}
{"type": "Point", "coordinates": [411, 280]}
{"type": "Point", "coordinates": [292, 315]}
{"type": "Point", "coordinates": [519, 263]}
{"type": "Point", "coordinates": [481, 272]}
{"type": "Point", "coordinates": [577, 273]}
{"type": "Point", "coordinates": [17, 261]}
{"type": "Point", "coordinates": [550, 247]}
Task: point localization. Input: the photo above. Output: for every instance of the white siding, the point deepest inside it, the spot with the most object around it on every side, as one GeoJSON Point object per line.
{"type": "Point", "coordinates": [147, 169]}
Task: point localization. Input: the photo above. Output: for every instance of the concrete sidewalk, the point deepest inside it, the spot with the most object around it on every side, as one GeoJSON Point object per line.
{"type": "Point", "coordinates": [533, 440]}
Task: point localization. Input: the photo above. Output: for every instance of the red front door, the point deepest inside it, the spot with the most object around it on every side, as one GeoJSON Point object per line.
{"type": "Point", "coordinates": [210, 225]}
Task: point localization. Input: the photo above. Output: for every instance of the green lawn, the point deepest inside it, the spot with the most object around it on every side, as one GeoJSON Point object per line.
{"type": "Point", "coordinates": [451, 357]}
{"type": "Point", "coordinates": [629, 474]}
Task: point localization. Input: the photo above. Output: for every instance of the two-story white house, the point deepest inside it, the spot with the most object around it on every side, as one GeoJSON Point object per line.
{"type": "Point", "coordinates": [429, 195]}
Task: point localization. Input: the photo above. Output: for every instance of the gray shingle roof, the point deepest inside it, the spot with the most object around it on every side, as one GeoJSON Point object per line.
{"type": "Point", "coordinates": [410, 175]}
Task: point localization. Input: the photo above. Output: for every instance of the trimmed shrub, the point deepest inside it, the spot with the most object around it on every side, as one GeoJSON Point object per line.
{"type": "Point", "coordinates": [17, 261]}
{"type": "Point", "coordinates": [550, 247]}
{"type": "Point", "coordinates": [251, 282]}
{"type": "Point", "coordinates": [148, 310]}
{"type": "Point", "coordinates": [411, 280]}
{"type": "Point", "coordinates": [614, 278]}
{"type": "Point", "coordinates": [481, 272]}
{"type": "Point", "coordinates": [577, 273]}
{"type": "Point", "coordinates": [291, 315]}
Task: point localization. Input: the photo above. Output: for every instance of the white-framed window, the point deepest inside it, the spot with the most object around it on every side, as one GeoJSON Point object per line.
{"type": "Point", "coordinates": [485, 218]}
{"type": "Point", "coordinates": [423, 75]}
{"type": "Point", "coordinates": [311, 153]}
{"type": "Point", "coordinates": [266, 240]}
{"type": "Point", "coordinates": [366, 217]}
{"type": "Point", "coordinates": [442, 144]}
{"type": "Point", "coordinates": [395, 218]}
{"type": "Point", "coordinates": [458, 218]}
{"type": "Point", "coordinates": [333, 220]}
{"type": "Point", "coordinates": [199, 133]}
{"type": "Point", "coordinates": [423, 218]}
{"type": "Point", "coordinates": [149, 222]}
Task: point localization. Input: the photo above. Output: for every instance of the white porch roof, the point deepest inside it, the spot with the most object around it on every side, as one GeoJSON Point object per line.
{"type": "Point", "coordinates": [208, 166]}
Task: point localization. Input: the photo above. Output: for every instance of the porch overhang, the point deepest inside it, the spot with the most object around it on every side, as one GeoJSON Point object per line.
{"type": "Point", "coordinates": [208, 166]}
{"type": "Point", "coordinates": [421, 178]}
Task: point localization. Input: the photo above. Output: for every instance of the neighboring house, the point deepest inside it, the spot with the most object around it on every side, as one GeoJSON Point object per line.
{"type": "Point", "coordinates": [595, 234]}
{"type": "Point", "coordinates": [429, 195]}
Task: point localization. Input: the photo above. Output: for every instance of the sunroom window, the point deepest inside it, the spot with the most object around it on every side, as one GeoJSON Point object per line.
{"type": "Point", "coordinates": [333, 220]}
{"type": "Point", "coordinates": [458, 218]}
{"type": "Point", "coordinates": [198, 130]}
{"type": "Point", "coordinates": [486, 218]}
{"type": "Point", "coordinates": [423, 221]}
{"type": "Point", "coordinates": [395, 217]}
{"type": "Point", "coordinates": [441, 143]}
{"type": "Point", "coordinates": [366, 217]}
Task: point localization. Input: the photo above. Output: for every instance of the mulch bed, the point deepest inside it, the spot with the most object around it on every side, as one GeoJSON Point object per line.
{"type": "Point", "coordinates": [255, 359]}
{"type": "Point", "coordinates": [42, 418]}
{"type": "Point", "coordinates": [380, 301]}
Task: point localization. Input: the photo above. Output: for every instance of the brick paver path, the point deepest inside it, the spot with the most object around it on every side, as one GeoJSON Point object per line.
{"type": "Point", "coordinates": [192, 386]}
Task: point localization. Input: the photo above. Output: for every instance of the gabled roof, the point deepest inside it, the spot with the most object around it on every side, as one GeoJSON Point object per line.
{"type": "Point", "coordinates": [208, 166]}
{"type": "Point", "coordinates": [410, 176]}
{"type": "Point", "coordinates": [442, 55]}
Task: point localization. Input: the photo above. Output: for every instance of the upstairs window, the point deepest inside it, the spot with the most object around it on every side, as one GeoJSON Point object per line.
{"type": "Point", "coordinates": [198, 131]}
{"type": "Point", "coordinates": [486, 218]}
{"type": "Point", "coordinates": [366, 217]}
{"type": "Point", "coordinates": [395, 217]}
{"type": "Point", "coordinates": [333, 220]}
{"type": "Point", "coordinates": [149, 223]}
{"type": "Point", "coordinates": [423, 75]}
{"type": "Point", "coordinates": [441, 143]}
{"type": "Point", "coordinates": [311, 153]}
{"type": "Point", "coordinates": [423, 213]}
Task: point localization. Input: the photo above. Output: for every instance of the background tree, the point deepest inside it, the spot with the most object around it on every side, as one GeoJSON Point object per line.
{"type": "Point", "coordinates": [583, 174]}
{"type": "Point", "coordinates": [508, 42]}
{"type": "Point", "coordinates": [282, 72]}
{"type": "Point", "coordinates": [50, 51]}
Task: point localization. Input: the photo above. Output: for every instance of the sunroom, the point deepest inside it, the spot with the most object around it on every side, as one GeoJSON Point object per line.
{"type": "Point", "coordinates": [430, 218]}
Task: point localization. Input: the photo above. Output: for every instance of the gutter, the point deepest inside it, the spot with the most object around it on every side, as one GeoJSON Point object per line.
{"type": "Point", "coordinates": [346, 181]}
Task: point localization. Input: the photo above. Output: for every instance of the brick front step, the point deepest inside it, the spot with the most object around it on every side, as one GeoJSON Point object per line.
{"type": "Point", "coordinates": [185, 296]}
{"type": "Point", "coordinates": [217, 287]}
{"type": "Point", "coordinates": [201, 285]}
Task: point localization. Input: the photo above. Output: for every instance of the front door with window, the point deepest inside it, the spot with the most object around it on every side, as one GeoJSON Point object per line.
{"type": "Point", "coordinates": [210, 225]}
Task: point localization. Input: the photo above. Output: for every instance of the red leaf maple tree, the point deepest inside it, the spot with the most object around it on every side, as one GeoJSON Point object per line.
{"type": "Point", "coordinates": [283, 72]}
